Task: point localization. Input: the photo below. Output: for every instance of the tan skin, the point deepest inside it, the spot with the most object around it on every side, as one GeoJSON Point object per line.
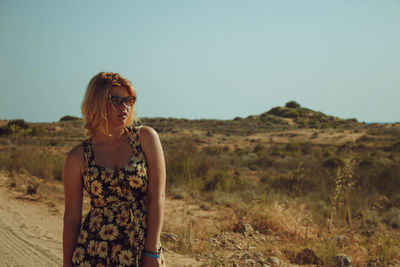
{"type": "Point", "coordinates": [113, 152]}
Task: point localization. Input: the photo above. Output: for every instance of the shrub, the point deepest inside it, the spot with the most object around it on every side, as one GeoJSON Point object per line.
{"type": "Point", "coordinates": [20, 128]}
{"type": "Point", "coordinates": [292, 104]}
{"type": "Point", "coordinates": [395, 147]}
{"type": "Point", "coordinates": [69, 118]}
{"type": "Point", "coordinates": [345, 181]}
{"type": "Point", "coordinates": [5, 130]}
{"type": "Point", "coordinates": [334, 163]}
{"type": "Point", "coordinates": [369, 161]}
{"type": "Point", "coordinates": [223, 181]}
{"type": "Point", "coordinates": [286, 112]}
{"type": "Point", "coordinates": [213, 150]}
{"type": "Point", "coordinates": [16, 130]}
{"type": "Point", "coordinates": [20, 123]}
{"type": "Point", "coordinates": [392, 217]}
{"type": "Point", "coordinates": [292, 148]}
{"type": "Point", "coordinates": [184, 165]}
{"type": "Point", "coordinates": [38, 130]}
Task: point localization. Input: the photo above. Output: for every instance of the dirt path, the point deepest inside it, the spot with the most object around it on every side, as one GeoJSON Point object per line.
{"type": "Point", "coordinates": [31, 233]}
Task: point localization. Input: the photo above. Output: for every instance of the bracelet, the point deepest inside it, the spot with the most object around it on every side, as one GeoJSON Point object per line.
{"type": "Point", "coordinates": [158, 252]}
{"type": "Point", "coordinates": [154, 256]}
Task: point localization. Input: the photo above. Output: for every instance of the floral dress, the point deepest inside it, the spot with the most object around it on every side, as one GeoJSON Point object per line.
{"type": "Point", "coordinates": [113, 232]}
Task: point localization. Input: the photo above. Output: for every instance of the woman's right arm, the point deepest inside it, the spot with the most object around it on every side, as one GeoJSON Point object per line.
{"type": "Point", "coordinates": [73, 191]}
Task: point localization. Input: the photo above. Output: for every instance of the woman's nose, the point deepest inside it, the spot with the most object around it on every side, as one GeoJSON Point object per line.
{"type": "Point", "coordinates": [123, 105]}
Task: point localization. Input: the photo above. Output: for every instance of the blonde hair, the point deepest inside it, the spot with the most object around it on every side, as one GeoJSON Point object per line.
{"type": "Point", "coordinates": [94, 104]}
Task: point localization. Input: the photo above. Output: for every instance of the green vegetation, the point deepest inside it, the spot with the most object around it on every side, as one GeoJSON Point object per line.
{"type": "Point", "coordinates": [21, 128]}
{"type": "Point", "coordinates": [292, 104]}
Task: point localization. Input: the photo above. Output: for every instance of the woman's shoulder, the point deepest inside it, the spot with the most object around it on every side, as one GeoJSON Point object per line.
{"type": "Point", "coordinates": [142, 130]}
{"type": "Point", "coordinates": [148, 136]}
{"type": "Point", "coordinates": [76, 153]}
{"type": "Point", "coordinates": [150, 144]}
{"type": "Point", "coordinates": [146, 132]}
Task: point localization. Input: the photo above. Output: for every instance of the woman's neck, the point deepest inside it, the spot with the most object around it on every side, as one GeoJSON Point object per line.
{"type": "Point", "coordinates": [114, 134]}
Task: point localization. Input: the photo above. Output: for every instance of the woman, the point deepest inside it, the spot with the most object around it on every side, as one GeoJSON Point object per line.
{"type": "Point", "coordinates": [123, 170]}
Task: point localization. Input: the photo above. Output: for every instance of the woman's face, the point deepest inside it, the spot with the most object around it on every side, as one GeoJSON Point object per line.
{"type": "Point", "coordinates": [118, 107]}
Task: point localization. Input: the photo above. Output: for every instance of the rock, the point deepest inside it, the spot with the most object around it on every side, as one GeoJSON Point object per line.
{"type": "Point", "coordinates": [250, 262]}
{"type": "Point", "coordinates": [238, 247]}
{"type": "Point", "coordinates": [372, 263]}
{"type": "Point", "coordinates": [210, 255]}
{"type": "Point", "coordinates": [263, 263]}
{"type": "Point", "coordinates": [307, 256]}
{"type": "Point", "coordinates": [245, 256]}
{"type": "Point", "coordinates": [274, 261]}
{"type": "Point", "coordinates": [248, 229]}
{"type": "Point", "coordinates": [214, 242]}
{"type": "Point", "coordinates": [276, 253]}
{"type": "Point", "coordinates": [258, 255]}
{"type": "Point", "coordinates": [169, 237]}
{"type": "Point", "coordinates": [342, 260]}
{"type": "Point", "coordinates": [378, 263]}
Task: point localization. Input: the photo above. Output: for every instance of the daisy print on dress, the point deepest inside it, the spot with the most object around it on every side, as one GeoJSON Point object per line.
{"type": "Point", "coordinates": [113, 232]}
{"type": "Point", "coordinates": [109, 232]}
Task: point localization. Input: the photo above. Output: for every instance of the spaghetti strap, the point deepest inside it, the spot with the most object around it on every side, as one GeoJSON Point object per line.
{"type": "Point", "coordinates": [138, 132]}
{"type": "Point", "coordinates": [87, 153]}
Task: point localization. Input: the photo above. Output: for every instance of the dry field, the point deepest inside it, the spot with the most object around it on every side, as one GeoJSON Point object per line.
{"type": "Point", "coordinates": [289, 187]}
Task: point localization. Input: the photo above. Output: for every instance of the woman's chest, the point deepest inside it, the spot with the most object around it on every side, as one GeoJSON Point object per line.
{"type": "Point", "coordinates": [113, 157]}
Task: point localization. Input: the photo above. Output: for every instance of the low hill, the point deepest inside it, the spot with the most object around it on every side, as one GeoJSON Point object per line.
{"type": "Point", "coordinates": [274, 188]}
{"type": "Point", "coordinates": [276, 119]}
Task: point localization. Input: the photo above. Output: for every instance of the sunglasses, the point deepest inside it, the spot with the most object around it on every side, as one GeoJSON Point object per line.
{"type": "Point", "coordinates": [117, 101]}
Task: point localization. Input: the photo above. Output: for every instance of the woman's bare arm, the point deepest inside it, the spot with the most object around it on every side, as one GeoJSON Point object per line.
{"type": "Point", "coordinates": [73, 190]}
{"type": "Point", "coordinates": [154, 155]}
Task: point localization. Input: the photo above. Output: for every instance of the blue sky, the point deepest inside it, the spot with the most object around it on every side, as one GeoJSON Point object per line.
{"type": "Point", "coordinates": [203, 59]}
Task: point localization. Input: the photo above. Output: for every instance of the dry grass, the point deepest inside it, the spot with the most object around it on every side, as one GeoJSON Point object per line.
{"type": "Point", "coordinates": [272, 173]}
{"type": "Point", "coordinates": [35, 161]}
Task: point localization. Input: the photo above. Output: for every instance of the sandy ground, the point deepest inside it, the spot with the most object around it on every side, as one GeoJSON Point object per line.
{"type": "Point", "coordinates": [31, 233]}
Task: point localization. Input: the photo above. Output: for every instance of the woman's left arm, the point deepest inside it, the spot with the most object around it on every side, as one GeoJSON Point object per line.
{"type": "Point", "coordinates": [154, 155]}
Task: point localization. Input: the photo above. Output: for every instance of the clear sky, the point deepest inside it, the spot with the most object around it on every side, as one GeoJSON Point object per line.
{"type": "Point", "coordinates": [205, 58]}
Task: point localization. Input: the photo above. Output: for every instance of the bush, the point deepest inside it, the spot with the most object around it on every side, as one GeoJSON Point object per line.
{"type": "Point", "coordinates": [20, 123]}
{"type": "Point", "coordinates": [69, 118]}
{"type": "Point", "coordinates": [5, 130]}
{"type": "Point", "coordinates": [16, 128]}
{"type": "Point", "coordinates": [395, 147]}
{"type": "Point", "coordinates": [292, 104]}
{"type": "Point", "coordinates": [38, 130]}
{"type": "Point", "coordinates": [219, 181]}
{"type": "Point", "coordinates": [284, 112]}
{"type": "Point", "coordinates": [334, 163]}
